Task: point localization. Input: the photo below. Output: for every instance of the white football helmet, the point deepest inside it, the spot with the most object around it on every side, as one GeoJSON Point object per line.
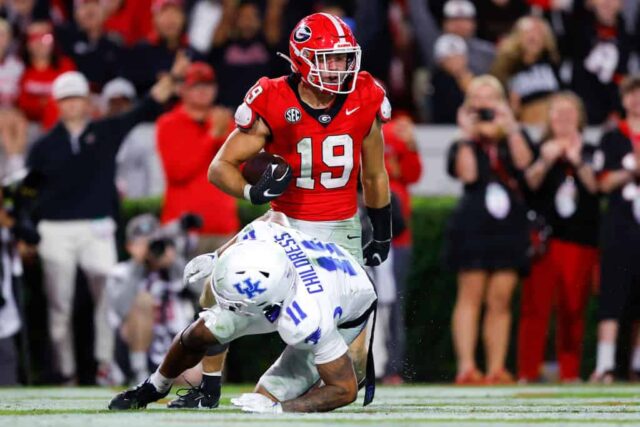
{"type": "Point", "coordinates": [251, 277]}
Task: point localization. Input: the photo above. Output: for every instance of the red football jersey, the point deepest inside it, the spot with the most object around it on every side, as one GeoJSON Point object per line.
{"type": "Point", "coordinates": [323, 147]}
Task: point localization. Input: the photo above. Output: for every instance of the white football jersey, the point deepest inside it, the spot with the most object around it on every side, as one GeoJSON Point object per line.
{"type": "Point", "coordinates": [330, 289]}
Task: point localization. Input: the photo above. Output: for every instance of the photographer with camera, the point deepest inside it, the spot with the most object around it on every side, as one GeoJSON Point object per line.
{"type": "Point", "coordinates": [487, 237]}
{"type": "Point", "coordinates": [148, 302]}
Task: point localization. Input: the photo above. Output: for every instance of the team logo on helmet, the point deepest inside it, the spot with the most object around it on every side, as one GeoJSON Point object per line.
{"type": "Point", "coordinates": [293, 115]}
{"type": "Point", "coordinates": [302, 34]}
{"type": "Point", "coordinates": [249, 288]}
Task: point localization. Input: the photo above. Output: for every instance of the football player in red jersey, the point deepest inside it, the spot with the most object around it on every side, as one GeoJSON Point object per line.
{"type": "Point", "coordinates": [325, 120]}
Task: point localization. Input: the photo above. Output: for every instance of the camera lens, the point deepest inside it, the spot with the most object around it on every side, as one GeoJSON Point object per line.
{"type": "Point", "coordinates": [157, 248]}
{"type": "Point", "coordinates": [486, 114]}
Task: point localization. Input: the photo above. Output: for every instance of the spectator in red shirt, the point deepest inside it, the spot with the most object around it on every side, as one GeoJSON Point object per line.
{"type": "Point", "coordinates": [43, 65]}
{"type": "Point", "coordinates": [404, 167]}
{"type": "Point", "coordinates": [129, 19]}
{"type": "Point", "coordinates": [188, 137]}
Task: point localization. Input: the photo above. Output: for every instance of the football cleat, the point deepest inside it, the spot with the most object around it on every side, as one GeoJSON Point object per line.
{"type": "Point", "coordinates": [194, 398]}
{"type": "Point", "coordinates": [136, 398]}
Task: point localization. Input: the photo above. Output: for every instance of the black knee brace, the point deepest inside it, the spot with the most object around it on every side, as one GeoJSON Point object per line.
{"type": "Point", "coordinates": [216, 349]}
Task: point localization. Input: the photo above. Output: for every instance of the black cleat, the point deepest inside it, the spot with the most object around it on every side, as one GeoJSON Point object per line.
{"type": "Point", "coordinates": [136, 398]}
{"type": "Point", "coordinates": [194, 398]}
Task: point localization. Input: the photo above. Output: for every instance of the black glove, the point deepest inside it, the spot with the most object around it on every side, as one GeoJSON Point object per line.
{"type": "Point", "coordinates": [190, 221]}
{"type": "Point", "coordinates": [268, 187]}
{"type": "Point", "coordinates": [377, 250]}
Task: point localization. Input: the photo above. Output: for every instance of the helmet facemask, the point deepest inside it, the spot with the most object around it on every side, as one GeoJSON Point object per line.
{"type": "Point", "coordinates": [323, 73]}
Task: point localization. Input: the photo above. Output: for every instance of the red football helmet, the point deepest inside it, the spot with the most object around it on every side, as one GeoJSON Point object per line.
{"type": "Point", "coordinates": [325, 53]}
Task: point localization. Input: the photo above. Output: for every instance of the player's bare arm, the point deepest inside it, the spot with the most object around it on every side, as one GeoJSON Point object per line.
{"type": "Point", "coordinates": [340, 388]}
{"type": "Point", "coordinates": [241, 145]}
{"type": "Point", "coordinates": [375, 181]}
{"type": "Point", "coordinates": [375, 185]}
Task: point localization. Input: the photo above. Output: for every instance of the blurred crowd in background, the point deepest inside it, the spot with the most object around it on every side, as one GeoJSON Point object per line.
{"type": "Point", "coordinates": [161, 79]}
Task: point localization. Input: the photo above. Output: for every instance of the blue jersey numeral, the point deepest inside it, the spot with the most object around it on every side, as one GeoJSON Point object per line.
{"type": "Point", "coordinates": [335, 264]}
{"type": "Point", "coordinates": [301, 314]}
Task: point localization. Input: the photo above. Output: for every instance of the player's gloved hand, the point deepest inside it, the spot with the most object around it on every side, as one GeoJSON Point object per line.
{"type": "Point", "coordinates": [377, 250]}
{"type": "Point", "coordinates": [268, 186]}
{"type": "Point", "coordinates": [256, 402]}
{"type": "Point", "coordinates": [199, 268]}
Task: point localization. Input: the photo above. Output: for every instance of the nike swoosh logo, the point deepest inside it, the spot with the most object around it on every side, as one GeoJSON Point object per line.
{"type": "Point", "coordinates": [283, 175]}
{"type": "Point", "coordinates": [352, 237]}
{"type": "Point", "coordinates": [350, 112]}
{"type": "Point", "coordinates": [268, 193]}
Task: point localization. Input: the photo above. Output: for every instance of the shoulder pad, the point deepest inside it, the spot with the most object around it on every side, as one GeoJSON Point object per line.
{"type": "Point", "coordinates": [257, 230]}
{"type": "Point", "coordinates": [300, 321]}
{"type": "Point", "coordinates": [385, 110]}
{"type": "Point", "coordinates": [244, 116]}
{"type": "Point", "coordinates": [373, 93]}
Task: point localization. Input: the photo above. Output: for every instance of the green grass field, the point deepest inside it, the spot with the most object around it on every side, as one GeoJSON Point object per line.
{"type": "Point", "coordinates": [407, 405]}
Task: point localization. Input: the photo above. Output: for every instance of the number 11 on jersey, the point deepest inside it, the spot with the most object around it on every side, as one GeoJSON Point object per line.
{"type": "Point", "coordinates": [344, 159]}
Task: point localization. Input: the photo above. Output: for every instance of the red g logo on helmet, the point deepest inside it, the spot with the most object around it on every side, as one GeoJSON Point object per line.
{"type": "Point", "coordinates": [325, 53]}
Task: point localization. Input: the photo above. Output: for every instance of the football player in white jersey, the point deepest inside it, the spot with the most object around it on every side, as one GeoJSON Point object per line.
{"type": "Point", "coordinates": [272, 278]}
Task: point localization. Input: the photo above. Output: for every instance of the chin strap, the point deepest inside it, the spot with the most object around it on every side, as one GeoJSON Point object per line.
{"type": "Point", "coordinates": [286, 58]}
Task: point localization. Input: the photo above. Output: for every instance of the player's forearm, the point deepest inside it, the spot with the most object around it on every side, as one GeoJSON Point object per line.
{"type": "Point", "coordinates": [322, 399]}
{"type": "Point", "coordinates": [226, 177]}
{"type": "Point", "coordinates": [376, 190]}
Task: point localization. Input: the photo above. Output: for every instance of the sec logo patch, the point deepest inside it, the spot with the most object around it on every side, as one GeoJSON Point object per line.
{"type": "Point", "coordinates": [292, 115]}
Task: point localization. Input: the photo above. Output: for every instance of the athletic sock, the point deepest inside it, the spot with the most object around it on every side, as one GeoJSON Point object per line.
{"type": "Point", "coordinates": [138, 361]}
{"type": "Point", "coordinates": [212, 383]}
{"type": "Point", "coordinates": [160, 382]}
{"type": "Point", "coordinates": [606, 357]}
{"type": "Point", "coordinates": [635, 359]}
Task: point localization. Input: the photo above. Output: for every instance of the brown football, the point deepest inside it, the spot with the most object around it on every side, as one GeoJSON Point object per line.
{"type": "Point", "coordinates": [255, 166]}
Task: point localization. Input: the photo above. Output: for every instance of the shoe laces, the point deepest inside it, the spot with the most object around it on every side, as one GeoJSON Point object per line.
{"type": "Point", "coordinates": [192, 389]}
